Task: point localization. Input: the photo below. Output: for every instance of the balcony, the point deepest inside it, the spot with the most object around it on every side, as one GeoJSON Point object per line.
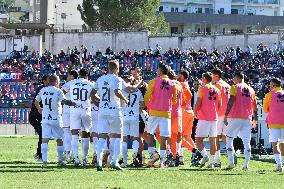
{"type": "Point", "coordinates": [205, 2]}
{"type": "Point", "coordinates": [265, 2]}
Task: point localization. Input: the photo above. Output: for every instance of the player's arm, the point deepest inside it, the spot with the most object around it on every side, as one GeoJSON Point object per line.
{"type": "Point", "coordinates": [37, 105]}
{"type": "Point", "coordinates": [132, 88]}
{"type": "Point", "coordinates": [94, 97]}
{"type": "Point", "coordinates": [198, 102]}
{"type": "Point", "coordinates": [141, 106]}
{"type": "Point", "coordinates": [266, 102]}
{"type": "Point", "coordinates": [68, 102]}
{"type": "Point", "coordinates": [119, 94]}
{"type": "Point", "coordinates": [255, 116]}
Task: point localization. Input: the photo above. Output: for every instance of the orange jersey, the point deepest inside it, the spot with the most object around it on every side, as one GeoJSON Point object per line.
{"type": "Point", "coordinates": [187, 95]}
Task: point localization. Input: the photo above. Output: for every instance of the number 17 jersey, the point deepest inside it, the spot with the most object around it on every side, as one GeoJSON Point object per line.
{"type": "Point", "coordinates": [109, 103]}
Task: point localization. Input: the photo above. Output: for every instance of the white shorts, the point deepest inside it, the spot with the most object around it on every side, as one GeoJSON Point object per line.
{"type": "Point", "coordinates": [80, 118]}
{"type": "Point", "coordinates": [94, 128]}
{"type": "Point", "coordinates": [164, 124]}
{"type": "Point", "coordinates": [52, 129]}
{"type": "Point", "coordinates": [206, 128]}
{"type": "Point", "coordinates": [66, 119]}
{"type": "Point", "coordinates": [108, 124]}
{"type": "Point", "coordinates": [221, 127]}
{"type": "Point", "coordinates": [130, 127]}
{"type": "Point", "coordinates": [276, 135]}
{"type": "Point", "coordinates": [239, 127]}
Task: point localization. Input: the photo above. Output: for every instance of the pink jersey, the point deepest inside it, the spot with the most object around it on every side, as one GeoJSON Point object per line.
{"type": "Point", "coordinates": [162, 95]}
{"type": "Point", "coordinates": [243, 105]}
{"type": "Point", "coordinates": [209, 103]}
{"type": "Point", "coordinates": [224, 88]}
{"type": "Point", "coordinates": [176, 111]}
{"type": "Point", "coordinates": [276, 108]}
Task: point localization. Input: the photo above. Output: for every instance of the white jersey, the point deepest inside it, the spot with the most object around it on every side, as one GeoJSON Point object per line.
{"type": "Point", "coordinates": [51, 98]}
{"type": "Point", "coordinates": [66, 108]}
{"type": "Point", "coordinates": [131, 110]}
{"type": "Point", "coordinates": [80, 92]}
{"type": "Point", "coordinates": [109, 103]}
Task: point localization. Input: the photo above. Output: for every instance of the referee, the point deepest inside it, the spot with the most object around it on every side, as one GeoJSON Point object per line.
{"type": "Point", "coordinates": [35, 120]}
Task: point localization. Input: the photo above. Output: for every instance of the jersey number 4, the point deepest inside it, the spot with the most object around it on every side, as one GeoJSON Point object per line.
{"type": "Point", "coordinates": [47, 102]}
{"type": "Point", "coordinates": [80, 94]}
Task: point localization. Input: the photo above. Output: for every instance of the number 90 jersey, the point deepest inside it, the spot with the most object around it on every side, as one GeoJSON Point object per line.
{"type": "Point", "coordinates": [109, 102]}
{"type": "Point", "coordinates": [51, 98]}
{"type": "Point", "coordinates": [80, 92]}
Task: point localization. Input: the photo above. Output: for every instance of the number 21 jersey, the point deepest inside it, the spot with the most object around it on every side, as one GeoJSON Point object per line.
{"type": "Point", "coordinates": [109, 102]}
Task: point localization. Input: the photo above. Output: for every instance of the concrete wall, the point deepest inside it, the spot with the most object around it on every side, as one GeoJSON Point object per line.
{"type": "Point", "coordinates": [196, 42]}
{"type": "Point", "coordinates": [164, 42]}
{"type": "Point", "coordinates": [266, 39]}
{"type": "Point", "coordinates": [221, 42]}
{"type": "Point", "coordinates": [12, 129]}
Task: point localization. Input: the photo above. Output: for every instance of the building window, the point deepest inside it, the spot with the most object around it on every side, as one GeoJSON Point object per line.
{"type": "Point", "coordinates": [172, 9]}
{"type": "Point", "coordinates": [64, 1]}
{"type": "Point", "coordinates": [185, 10]}
{"type": "Point", "coordinates": [234, 11]}
{"type": "Point", "coordinates": [37, 1]}
{"type": "Point", "coordinates": [174, 29]}
{"type": "Point", "coordinates": [199, 10]}
{"type": "Point", "coordinates": [161, 8]}
{"type": "Point", "coordinates": [176, 10]}
{"type": "Point", "coordinates": [221, 11]}
{"type": "Point", "coordinates": [207, 11]}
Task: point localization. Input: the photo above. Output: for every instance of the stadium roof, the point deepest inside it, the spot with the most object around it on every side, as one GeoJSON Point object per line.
{"type": "Point", "coordinates": [218, 19]}
{"type": "Point", "coordinates": [25, 26]}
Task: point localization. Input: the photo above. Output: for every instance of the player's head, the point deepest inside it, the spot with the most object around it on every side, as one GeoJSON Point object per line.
{"type": "Point", "coordinates": [196, 84]}
{"type": "Point", "coordinates": [238, 77]}
{"type": "Point", "coordinates": [84, 73]}
{"type": "Point", "coordinates": [72, 74]}
{"type": "Point", "coordinates": [171, 74]}
{"type": "Point", "coordinates": [216, 75]}
{"type": "Point", "coordinates": [275, 83]}
{"type": "Point", "coordinates": [53, 80]}
{"type": "Point", "coordinates": [206, 78]}
{"type": "Point", "coordinates": [113, 66]}
{"type": "Point", "coordinates": [163, 69]}
{"type": "Point", "coordinates": [136, 73]}
{"type": "Point", "coordinates": [182, 76]}
{"type": "Point", "coordinates": [44, 80]}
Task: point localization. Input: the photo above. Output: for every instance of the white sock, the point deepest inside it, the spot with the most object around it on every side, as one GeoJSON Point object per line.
{"type": "Point", "coordinates": [282, 159]}
{"type": "Point", "coordinates": [74, 144]}
{"type": "Point", "coordinates": [135, 146]}
{"type": "Point", "coordinates": [247, 151]}
{"type": "Point", "coordinates": [211, 159]}
{"type": "Point", "coordinates": [277, 158]}
{"type": "Point", "coordinates": [218, 156]}
{"type": "Point", "coordinates": [85, 147]}
{"type": "Point", "coordinates": [44, 149]}
{"type": "Point", "coordinates": [124, 152]}
{"type": "Point", "coordinates": [181, 152]}
{"type": "Point", "coordinates": [151, 151]}
{"type": "Point", "coordinates": [178, 146]}
{"type": "Point", "coordinates": [67, 139]}
{"type": "Point", "coordinates": [100, 149]}
{"type": "Point", "coordinates": [95, 144]}
{"type": "Point", "coordinates": [230, 149]}
{"type": "Point", "coordinates": [60, 150]}
{"type": "Point", "coordinates": [162, 155]}
{"type": "Point", "coordinates": [116, 150]}
{"type": "Point", "coordinates": [204, 152]}
{"type": "Point", "coordinates": [111, 149]}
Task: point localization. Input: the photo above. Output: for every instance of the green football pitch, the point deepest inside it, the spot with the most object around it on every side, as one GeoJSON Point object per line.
{"type": "Point", "coordinates": [18, 170]}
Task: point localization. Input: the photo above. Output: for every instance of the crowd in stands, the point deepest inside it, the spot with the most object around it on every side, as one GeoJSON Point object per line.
{"type": "Point", "coordinates": [258, 65]}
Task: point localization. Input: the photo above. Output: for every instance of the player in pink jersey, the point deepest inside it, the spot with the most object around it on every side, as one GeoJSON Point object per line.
{"type": "Point", "coordinates": [207, 106]}
{"type": "Point", "coordinates": [273, 105]}
{"type": "Point", "coordinates": [160, 96]}
{"type": "Point", "coordinates": [241, 106]}
{"type": "Point", "coordinates": [224, 88]}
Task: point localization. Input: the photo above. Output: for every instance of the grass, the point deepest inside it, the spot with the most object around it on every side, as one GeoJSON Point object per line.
{"type": "Point", "coordinates": [18, 170]}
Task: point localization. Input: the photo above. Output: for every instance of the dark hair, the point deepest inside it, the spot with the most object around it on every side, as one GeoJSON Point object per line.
{"type": "Point", "coordinates": [217, 72]}
{"type": "Point", "coordinates": [164, 68]}
{"type": "Point", "coordinates": [44, 78]}
{"type": "Point", "coordinates": [83, 72]}
{"type": "Point", "coordinates": [74, 73]}
{"type": "Point", "coordinates": [207, 76]}
{"type": "Point", "coordinates": [239, 75]}
{"type": "Point", "coordinates": [171, 74]}
{"type": "Point", "coordinates": [184, 73]}
{"type": "Point", "coordinates": [276, 82]}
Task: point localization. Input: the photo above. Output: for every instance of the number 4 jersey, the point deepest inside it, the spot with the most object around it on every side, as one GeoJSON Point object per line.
{"type": "Point", "coordinates": [51, 98]}
{"type": "Point", "coordinates": [80, 92]}
{"type": "Point", "coordinates": [109, 102]}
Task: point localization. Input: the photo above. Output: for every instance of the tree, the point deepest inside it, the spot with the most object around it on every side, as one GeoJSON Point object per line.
{"type": "Point", "coordinates": [122, 15]}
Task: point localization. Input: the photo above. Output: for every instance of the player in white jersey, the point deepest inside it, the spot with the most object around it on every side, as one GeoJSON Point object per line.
{"type": "Point", "coordinates": [51, 98]}
{"type": "Point", "coordinates": [66, 116]}
{"type": "Point", "coordinates": [109, 88]}
{"type": "Point", "coordinates": [94, 129]}
{"type": "Point", "coordinates": [130, 127]}
{"type": "Point", "coordinates": [80, 115]}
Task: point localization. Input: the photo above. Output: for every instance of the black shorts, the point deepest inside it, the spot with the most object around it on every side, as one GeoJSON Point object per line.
{"type": "Point", "coordinates": [141, 125]}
